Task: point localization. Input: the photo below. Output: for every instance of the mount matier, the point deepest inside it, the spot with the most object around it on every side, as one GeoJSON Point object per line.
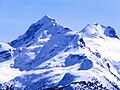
{"type": "Point", "coordinates": [53, 57]}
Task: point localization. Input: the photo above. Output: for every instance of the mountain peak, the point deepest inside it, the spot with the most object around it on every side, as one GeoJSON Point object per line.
{"type": "Point", "coordinates": [47, 18]}
{"type": "Point", "coordinates": [53, 57]}
{"type": "Point", "coordinates": [92, 30]}
{"type": "Point", "coordinates": [42, 29]}
{"type": "Point", "coordinates": [93, 24]}
{"type": "Point", "coordinates": [95, 30]}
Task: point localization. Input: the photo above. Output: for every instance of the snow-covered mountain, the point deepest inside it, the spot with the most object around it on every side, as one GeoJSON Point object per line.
{"type": "Point", "coordinates": [53, 57]}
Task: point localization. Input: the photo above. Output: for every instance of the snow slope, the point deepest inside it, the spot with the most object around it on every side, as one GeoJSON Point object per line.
{"type": "Point", "coordinates": [53, 57]}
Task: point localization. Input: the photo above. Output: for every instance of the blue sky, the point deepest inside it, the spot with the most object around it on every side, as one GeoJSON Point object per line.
{"type": "Point", "coordinates": [17, 15]}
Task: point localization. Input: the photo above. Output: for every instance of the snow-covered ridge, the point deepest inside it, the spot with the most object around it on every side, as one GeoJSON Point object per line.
{"type": "Point", "coordinates": [94, 30]}
{"type": "Point", "coordinates": [44, 28]}
{"type": "Point", "coordinates": [47, 26]}
{"type": "Point", "coordinates": [51, 56]}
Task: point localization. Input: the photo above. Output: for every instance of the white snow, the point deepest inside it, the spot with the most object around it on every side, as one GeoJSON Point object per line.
{"type": "Point", "coordinates": [5, 47]}
{"type": "Point", "coordinates": [7, 73]}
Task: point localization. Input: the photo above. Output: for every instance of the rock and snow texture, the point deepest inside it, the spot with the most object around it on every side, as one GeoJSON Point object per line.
{"type": "Point", "coordinates": [109, 31]}
{"type": "Point", "coordinates": [95, 30]}
{"type": "Point", "coordinates": [5, 52]}
{"type": "Point", "coordinates": [43, 29]}
{"type": "Point", "coordinates": [53, 57]}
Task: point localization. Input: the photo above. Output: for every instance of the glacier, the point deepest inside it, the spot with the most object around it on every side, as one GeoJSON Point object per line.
{"type": "Point", "coordinates": [50, 56]}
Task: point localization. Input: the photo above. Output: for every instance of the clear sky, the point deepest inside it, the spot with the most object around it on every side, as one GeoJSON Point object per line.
{"type": "Point", "coordinates": [17, 15]}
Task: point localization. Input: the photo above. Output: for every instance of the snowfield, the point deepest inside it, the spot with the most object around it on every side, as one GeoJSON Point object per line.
{"type": "Point", "coordinates": [53, 57]}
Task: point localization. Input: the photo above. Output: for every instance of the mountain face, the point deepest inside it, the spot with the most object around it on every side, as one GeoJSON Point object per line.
{"type": "Point", "coordinates": [53, 57]}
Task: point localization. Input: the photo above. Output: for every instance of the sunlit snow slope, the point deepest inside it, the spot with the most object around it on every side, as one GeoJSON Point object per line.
{"type": "Point", "coordinates": [53, 57]}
